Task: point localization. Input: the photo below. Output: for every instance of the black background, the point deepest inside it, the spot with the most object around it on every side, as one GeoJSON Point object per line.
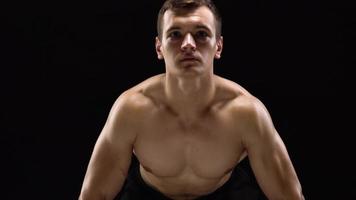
{"type": "Point", "coordinates": [63, 64]}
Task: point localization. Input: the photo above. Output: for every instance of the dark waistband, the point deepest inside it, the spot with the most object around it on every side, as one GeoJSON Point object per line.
{"type": "Point", "coordinates": [241, 185]}
{"type": "Point", "coordinates": [236, 175]}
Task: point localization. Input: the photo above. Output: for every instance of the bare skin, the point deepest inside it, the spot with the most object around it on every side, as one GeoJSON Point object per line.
{"type": "Point", "coordinates": [187, 153]}
{"type": "Point", "coordinates": [188, 127]}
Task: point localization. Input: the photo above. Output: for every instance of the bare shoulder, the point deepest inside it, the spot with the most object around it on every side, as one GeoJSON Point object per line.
{"type": "Point", "coordinates": [246, 109]}
{"type": "Point", "coordinates": [266, 151]}
{"type": "Point", "coordinates": [240, 98]}
{"type": "Point", "coordinates": [230, 86]}
{"type": "Point", "coordinates": [138, 99]}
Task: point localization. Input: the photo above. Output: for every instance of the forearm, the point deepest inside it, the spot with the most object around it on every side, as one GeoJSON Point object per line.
{"type": "Point", "coordinates": [87, 195]}
{"type": "Point", "coordinates": [99, 190]}
{"type": "Point", "coordinates": [289, 195]}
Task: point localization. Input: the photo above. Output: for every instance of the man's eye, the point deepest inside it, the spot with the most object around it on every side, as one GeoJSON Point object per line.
{"type": "Point", "coordinates": [201, 34]}
{"type": "Point", "coordinates": [175, 34]}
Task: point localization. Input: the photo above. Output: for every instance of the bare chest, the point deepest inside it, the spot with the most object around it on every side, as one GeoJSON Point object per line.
{"type": "Point", "coordinates": [205, 150]}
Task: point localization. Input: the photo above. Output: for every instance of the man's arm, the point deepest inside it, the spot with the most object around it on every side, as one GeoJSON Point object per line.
{"type": "Point", "coordinates": [112, 153]}
{"type": "Point", "coordinates": [268, 155]}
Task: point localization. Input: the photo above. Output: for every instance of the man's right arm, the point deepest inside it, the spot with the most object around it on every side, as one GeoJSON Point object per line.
{"type": "Point", "coordinates": [112, 153]}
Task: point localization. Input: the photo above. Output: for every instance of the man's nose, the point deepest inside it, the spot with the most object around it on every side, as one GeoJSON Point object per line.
{"type": "Point", "coordinates": [188, 43]}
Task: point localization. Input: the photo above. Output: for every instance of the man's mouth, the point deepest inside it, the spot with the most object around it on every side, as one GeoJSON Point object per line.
{"type": "Point", "coordinates": [189, 59]}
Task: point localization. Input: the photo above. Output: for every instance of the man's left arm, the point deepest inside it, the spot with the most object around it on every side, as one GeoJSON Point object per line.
{"type": "Point", "coordinates": [268, 155]}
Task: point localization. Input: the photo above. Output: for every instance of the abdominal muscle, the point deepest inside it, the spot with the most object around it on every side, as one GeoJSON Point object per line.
{"type": "Point", "coordinates": [186, 185]}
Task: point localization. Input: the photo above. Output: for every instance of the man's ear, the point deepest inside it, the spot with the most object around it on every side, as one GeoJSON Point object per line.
{"type": "Point", "coordinates": [219, 47]}
{"type": "Point", "coordinates": [158, 49]}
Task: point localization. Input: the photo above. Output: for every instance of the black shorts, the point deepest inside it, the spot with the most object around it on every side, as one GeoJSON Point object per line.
{"type": "Point", "coordinates": [241, 186]}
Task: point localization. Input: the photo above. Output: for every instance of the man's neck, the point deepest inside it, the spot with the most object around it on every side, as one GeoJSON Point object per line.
{"type": "Point", "coordinates": [189, 97]}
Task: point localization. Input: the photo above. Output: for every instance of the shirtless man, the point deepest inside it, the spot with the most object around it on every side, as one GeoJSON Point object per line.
{"type": "Point", "coordinates": [188, 127]}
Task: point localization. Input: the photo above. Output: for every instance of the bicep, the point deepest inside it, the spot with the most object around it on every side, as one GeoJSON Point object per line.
{"type": "Point", "coordinates": [110, 159]}
{"type": "Point", "coordinates": [272, 166]}
{"type": "Point", "coordinates": [108, 167]}
{"type": "Point", "coordinates": [269, 158]}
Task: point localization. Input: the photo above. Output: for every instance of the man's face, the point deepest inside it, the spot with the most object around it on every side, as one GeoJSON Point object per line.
{"type": "Point", "coordinates": [189, 43]}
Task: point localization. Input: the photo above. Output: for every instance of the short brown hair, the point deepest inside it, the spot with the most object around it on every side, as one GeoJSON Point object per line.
{"type": "Point", "coordinates": [178, 6]}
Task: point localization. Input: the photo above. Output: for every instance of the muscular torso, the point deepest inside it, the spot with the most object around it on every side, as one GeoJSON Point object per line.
{"type": "Point", "coordinates": [184, 162]}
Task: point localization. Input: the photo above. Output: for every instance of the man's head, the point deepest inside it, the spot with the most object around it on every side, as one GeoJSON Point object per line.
{"type": "Point", "coordinates": [183, 6]}
{"type": "Point", "coordinates": [189, 36]}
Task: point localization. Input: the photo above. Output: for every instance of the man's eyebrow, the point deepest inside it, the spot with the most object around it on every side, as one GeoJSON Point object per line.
{"type": "Point", "coordinates": [196, 27]}
{"type": "Point", "coordinates": [203, 27]}
{"type": "Point", "coordinates": [173, 28]}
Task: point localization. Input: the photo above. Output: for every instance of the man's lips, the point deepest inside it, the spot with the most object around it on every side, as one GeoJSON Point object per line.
{"type": "Point", "coordinates": [188, 59]}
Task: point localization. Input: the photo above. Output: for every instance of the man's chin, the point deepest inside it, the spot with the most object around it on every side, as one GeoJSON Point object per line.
{"type": "Point", "coordinates": [191, 70]}
{"type": "Point", "coordinates": [190, 66]}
